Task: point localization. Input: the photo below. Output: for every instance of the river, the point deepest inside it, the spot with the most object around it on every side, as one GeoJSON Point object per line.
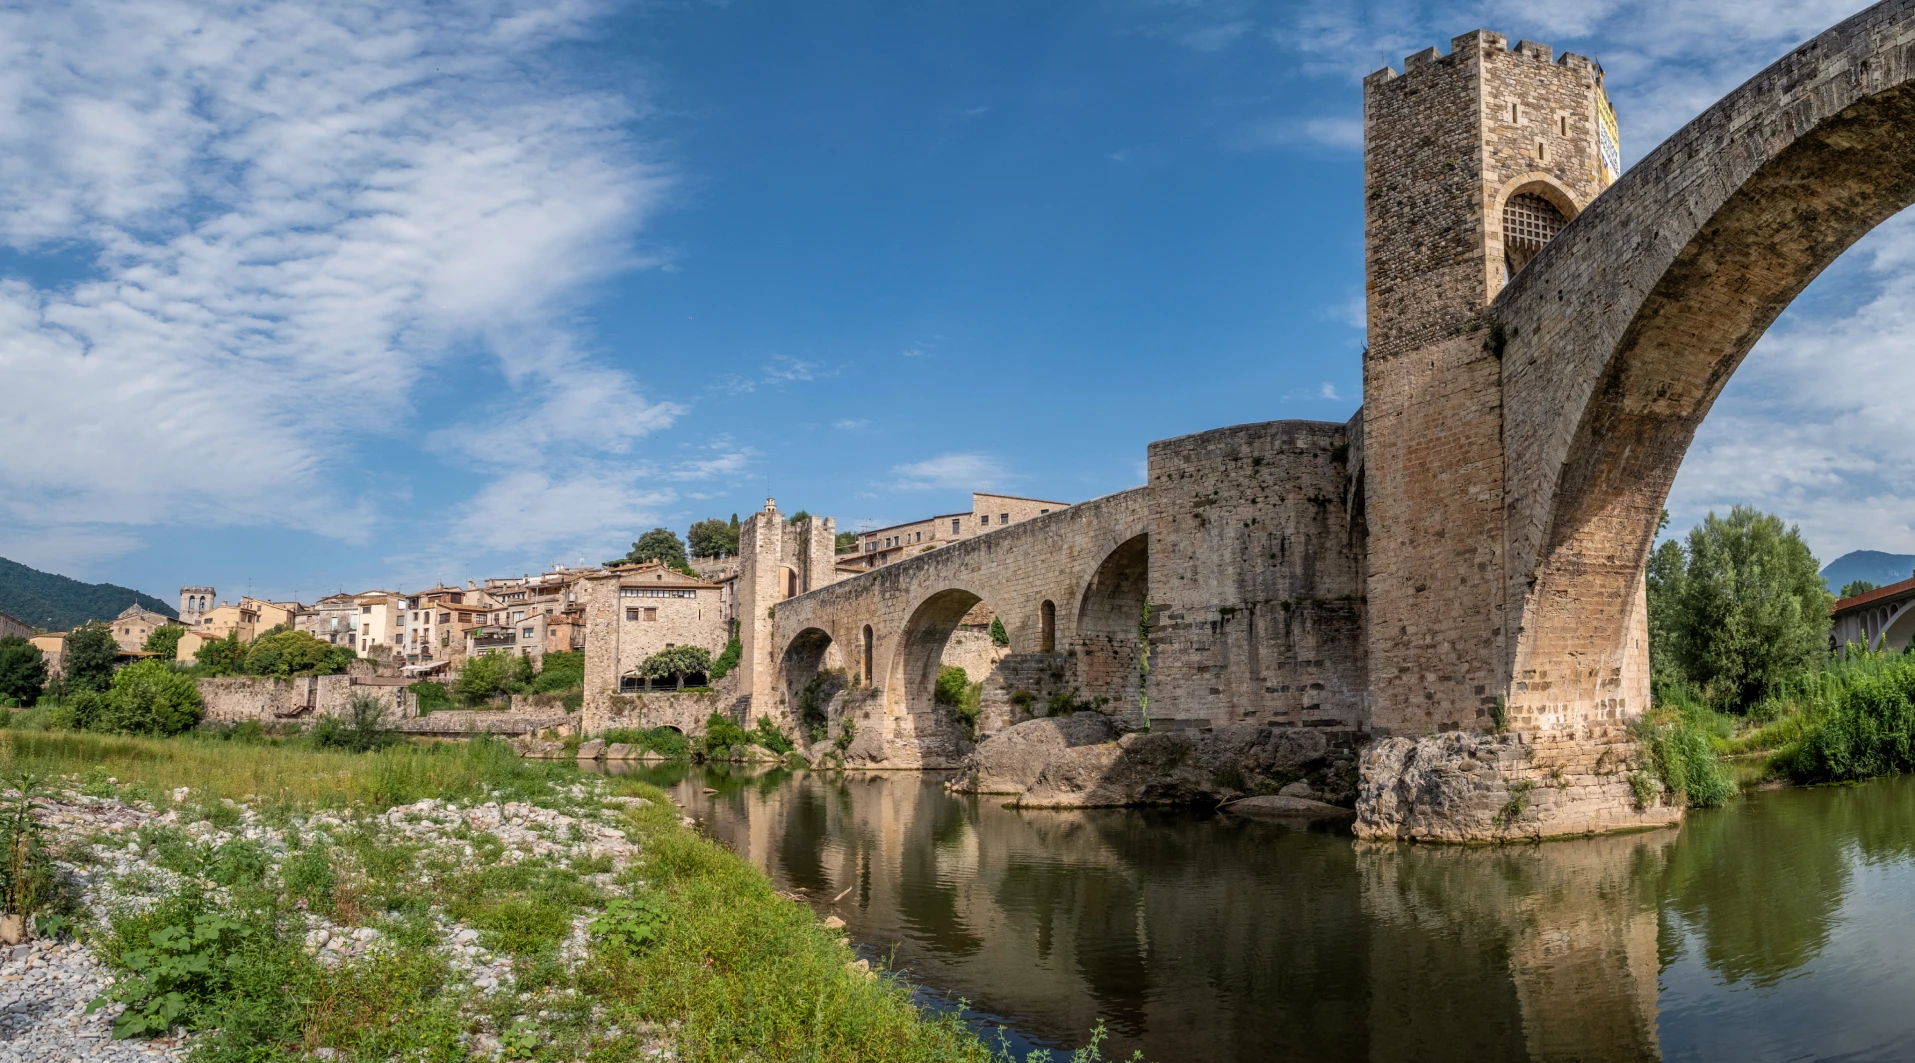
{"type": "Point", "coordinates": [1779, 928]}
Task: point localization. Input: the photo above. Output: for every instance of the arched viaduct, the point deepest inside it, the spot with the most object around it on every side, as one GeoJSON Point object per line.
{"type": "Point", "coordinates": [1467, 555]}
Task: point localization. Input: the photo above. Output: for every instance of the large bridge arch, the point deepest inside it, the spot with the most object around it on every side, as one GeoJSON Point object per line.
{"type": "Point", "coordinates": [1617, 339]}
{"type": "Point", "coordinates": [1109, 618]}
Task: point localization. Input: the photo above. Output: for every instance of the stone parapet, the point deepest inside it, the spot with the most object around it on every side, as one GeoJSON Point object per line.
{"type": "Point", "coordinates": [1466, 786]}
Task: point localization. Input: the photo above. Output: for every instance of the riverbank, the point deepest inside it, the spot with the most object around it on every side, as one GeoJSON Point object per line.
{"type": "Point", "coordinates": [443, 902]}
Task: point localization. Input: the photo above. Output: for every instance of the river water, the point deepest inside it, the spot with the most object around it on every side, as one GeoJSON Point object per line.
{"type": "Point", "coordinates": [1779, 928]}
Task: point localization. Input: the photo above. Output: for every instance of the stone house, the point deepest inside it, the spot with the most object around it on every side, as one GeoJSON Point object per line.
{"type": "Point", "coordinates": [381, 620]}
{"type": "Point", "coordinates": [273, 614]}
{"type": "Point", "coordinates": [334, 618]}
{"type": "Point", "coordinates": [228, 619]}
{"type": "Point", "coordinates": [10, 626]}
{"type": "Point", "coordinates": [637, 610]}
{"type": "Point", "coordinates": [134, 624]}
{"type": "Point", "coordinates": [882, 546]}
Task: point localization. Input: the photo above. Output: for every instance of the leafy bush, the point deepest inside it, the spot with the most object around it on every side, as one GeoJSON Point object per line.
{"type": "Point", "coordinates": [493, 675]}
{"type": "Point", "coordinates": [956, 691]}
{"type": "Point", "coordinates": [631, 924]}
{"type": "Point", "coordinates": [665, 741]}
{"type": "Point", "coordinates": [1677, 740]}
{"type": "Point", "coordinates": [361, 731]}
{"type": "Point", "coordinates": [1857, 719]}
{"type": "Point", "coordinates": [727, 659]}
{"type": "Point", "coordinates": [430, 696]}
{"type": "Point", "coordinates": [721, 732]}
{"type": "Point", "coordinates": [146, 698]}
{"type": "Point", "coordinates": [284, 654]}
{"type": "Point", "coordinates": [181, 966]}
{"type": "Point", "coordinates": [225, 656]}
{"type": "Point", "coordinates": [559, 671]}
{"type": "Point", "coordinates": [999, 637]}
{"type": "Point", "coordinates": [23, 670]}
{"type": "Point", "coordinates": [770, 737]}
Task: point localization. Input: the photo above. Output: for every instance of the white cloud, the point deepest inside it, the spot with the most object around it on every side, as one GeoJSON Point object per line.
{"type": "Point", "coordinates": [852, 424]}
{"type": "Point", "coordinates": [1328, 391]}
{"type": "Point", "coordinates": [721, 464]}
{"type": "Point", "coordinates": [298, 213]}
{"type": "Point", "coordinates": [958, 472]}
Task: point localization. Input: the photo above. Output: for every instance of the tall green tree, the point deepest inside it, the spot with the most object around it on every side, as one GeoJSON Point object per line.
{"type": "Point", "coordinates": [23, 670]}
{"type": "Point", "coordinates": [677, 661]}
{"type": "Point", "coordinates": [714, 538]}
{"type": "Point", "coordinates": [164, 640]}
{"type": "Point", "coordinates": [88, 660]}
{"type": "Point", "coordinates": [225, 656]}
{"type": "Point", "coordinates": [148, 698]}
{"type": "Point", "coordinates": [1854, 587]}
{"type": "Point", "coordinates": [286, 653]}
{"type": "Point", "coordinates": [846, 542]}
{"type": "Point", "coordinates": [1748, 608]}
{"type": "Point", "coordinates": [659, 544]}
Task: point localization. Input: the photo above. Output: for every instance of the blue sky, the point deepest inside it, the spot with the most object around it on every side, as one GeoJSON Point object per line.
{"type": "Point", "coordinates": [307, 297]}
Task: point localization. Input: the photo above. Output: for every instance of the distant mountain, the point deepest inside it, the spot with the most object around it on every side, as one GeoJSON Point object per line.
{"type": "Point", "coordinates": [1872, 565]}
{"type": "Point", "coordinates": [44, 600]}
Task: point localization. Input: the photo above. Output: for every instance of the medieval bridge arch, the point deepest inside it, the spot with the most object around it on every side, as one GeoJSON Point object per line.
{"type": "Point", "coordinates": [1621, 334]}
{"type": "Point", "coordinates": [887, 629]}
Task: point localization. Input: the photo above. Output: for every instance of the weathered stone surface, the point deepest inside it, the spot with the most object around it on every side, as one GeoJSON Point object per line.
{"type": "Point", "coordinates": [592, 750]}
{"type": "Point", "coordinates": [1282, 806]}
{"type": "Point", "coordinates": [1080, 761]}
{"type": "Point", "coordinates": [1466, 786]}
{"type": "Point", "coordinates": [620, 751]}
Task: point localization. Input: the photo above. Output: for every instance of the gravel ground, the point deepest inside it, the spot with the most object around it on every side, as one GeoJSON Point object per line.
{"type": "Point", "coordinates": [45, 986]}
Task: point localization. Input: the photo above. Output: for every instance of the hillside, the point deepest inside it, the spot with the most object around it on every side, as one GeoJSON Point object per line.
{"type": "Point", "coordinates": [1872, 565]}
{"type": "Point", "coordinates": [45, 600]}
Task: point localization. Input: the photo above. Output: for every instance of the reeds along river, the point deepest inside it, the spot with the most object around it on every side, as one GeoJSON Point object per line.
{"type": "Point", "coordinates": [1781, 927]}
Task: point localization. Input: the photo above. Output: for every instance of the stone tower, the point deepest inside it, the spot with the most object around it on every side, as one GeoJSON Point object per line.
{"type": "Point", "coordinates": [777, 559]}
{"type": "Point", "coordinates": [1472, 161]}
{"type": "Point", "coordinates": [194, 602]}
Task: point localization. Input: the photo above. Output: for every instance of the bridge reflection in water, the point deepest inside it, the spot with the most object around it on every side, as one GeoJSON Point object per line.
{"type": "Point", "coordinates": [1774, 929]}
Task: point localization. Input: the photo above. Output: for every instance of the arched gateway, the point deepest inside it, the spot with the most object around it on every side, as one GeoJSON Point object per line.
{"type": "Point", "coordinates": [1453, 580]}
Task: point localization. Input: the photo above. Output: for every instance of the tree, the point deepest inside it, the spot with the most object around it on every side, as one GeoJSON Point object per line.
{"type": "Point", "coordinates": [678, 662]}
{"type": "Point", "coordinates": [659, 544]}
{"type": "Point", "coordinates": [999, 636]}
{"type": "Point", "coordinates": [23, 670]}
{"type": "Point", "coordinates": [288, 653]}
{"type": "Point", "coordinates": [799, 517]}
{"type": "Point", "coordinates": [1668, 568]}
{"type": "Point", "coordinates": [164, 640]}
{"type": "Point", "coordinates": [225, 656]}
{"type": "Point", "coordinates": [148, 698]}
{"type": "Point", "coordinates": [88, 663]}
{"type": "Point", "coordinates": [1748, 609]}
{"type": "Point", "coordinates": [714, 538]}
{"type": "Point", "coordinates": [1854, 587]}
{"type": "Point", "coordinates": [488, 676]}
{"type": "Point", "coordinates": [846, 542]}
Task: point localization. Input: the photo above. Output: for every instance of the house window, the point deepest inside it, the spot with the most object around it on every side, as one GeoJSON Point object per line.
{"type": "Point", "coordinates": [445, 618]}
{"type": "Point", "coordinates": [365, 608]}
{"type": "Point", "coordinates": [1003, 518]}
{"type": "Point", "coordinates": [954, 525]}
{"type": "Point", "coordinates": [984, 519]}
{"type": "Point", "coordinates": [1041, 512]}
{"type": "Point", "coordinates": [651, 614]}
{"type": "Point", "coordinates": [631, 614]}
{"type": "Point", "coordinates": [1529, 222]}
{"type": "Point", "coordinates": [525, 633]}
{"type": "Point", "coordinates": [518, 614]}
{"type": "Point", "coordinates": [1047, 628]}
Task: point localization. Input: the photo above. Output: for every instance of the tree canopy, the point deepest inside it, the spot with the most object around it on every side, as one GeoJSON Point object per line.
{"type": "Point", "coordinates": [678, 662]}
{"type": "Point", "coordinates": [659, 544]}
{"type": "Point", "coordinates": [714, 537]}
{"type": "Point", "coordinates": [285, 653]}
{"type": "Point", "coordinates": [1737, 608]}
{"type": "Point", "coordinates": [1854, 587]}
{"type": "Point", "coordinates": [145, 698]}
{"type": "Point", "coordinates": [23, 670]}
{"type": "Point", "coordinates": [164, 640]}
{"type": "Point", "coordinates": [846, 542]}
{"type": "Point", "coordinates": [88, 660]}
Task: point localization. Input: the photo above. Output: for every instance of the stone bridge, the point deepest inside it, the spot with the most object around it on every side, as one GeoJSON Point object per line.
{"type": "Point", "coordinates": [1467, 554]}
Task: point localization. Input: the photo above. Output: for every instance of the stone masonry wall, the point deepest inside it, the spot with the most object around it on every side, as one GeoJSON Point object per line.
{"type": "Point", "coordinates": [1256, 579]}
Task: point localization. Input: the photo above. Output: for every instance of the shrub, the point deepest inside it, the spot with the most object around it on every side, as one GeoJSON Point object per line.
{"type": "Point", "coordinates": [559, 671]}
{"type": "Point", "coordinates": [147, 698]}
{"type": "Point", "coordinates": [225, 656]}
{"type": "Point", "coordinates": [361, 731]}
{"type": "Point", "coordinates": [491, 675]}
{"type": "Point", "coordinates": [727, 659]}
{"type": "Point", "coordinates": [1857, 719]}
{"type": "Point", "coordinates": [1676, 740]}
{"type": "Point", "coordinates": [770, 737]}
{"type": "Point", "coordinates": [720, 733]}
{"type": "Point", "coordinates": [999, 637]}
{"type": "Point", "coordinates": [27, 882]}
{"type": "Point", "coordinates": [632, 924]}
{"type": "Point", "coordinates": [430, 696]}
{"type": "Point", "coordinates": [174, 962]}
{"type": "Point", "coordinates": [956, 691]}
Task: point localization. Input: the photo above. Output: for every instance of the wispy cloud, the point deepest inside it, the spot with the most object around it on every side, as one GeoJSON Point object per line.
{"type": "Point", "coordinates": [852, 424]}
{"type": "Point", "coordinates": [297, 213]}
{"type": "Point", "coordinates": [961, 472]}
{"type": "Point", "coordinates": [777, 371]}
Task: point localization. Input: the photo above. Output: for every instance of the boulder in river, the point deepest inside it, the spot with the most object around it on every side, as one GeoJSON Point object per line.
{"type": "Point", "coordinates": [1083, 760]}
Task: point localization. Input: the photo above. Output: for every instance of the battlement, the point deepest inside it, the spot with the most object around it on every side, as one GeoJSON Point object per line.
{"type": "Point", "coordinates": [1486, 44]}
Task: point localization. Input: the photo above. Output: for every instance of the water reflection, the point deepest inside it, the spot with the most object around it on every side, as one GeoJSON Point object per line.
{"type": "Point", "coordinates": [1757, 932]}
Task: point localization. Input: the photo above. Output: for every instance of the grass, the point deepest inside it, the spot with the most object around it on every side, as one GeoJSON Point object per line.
{"type": "Point", "coordinates": [726, 968]}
